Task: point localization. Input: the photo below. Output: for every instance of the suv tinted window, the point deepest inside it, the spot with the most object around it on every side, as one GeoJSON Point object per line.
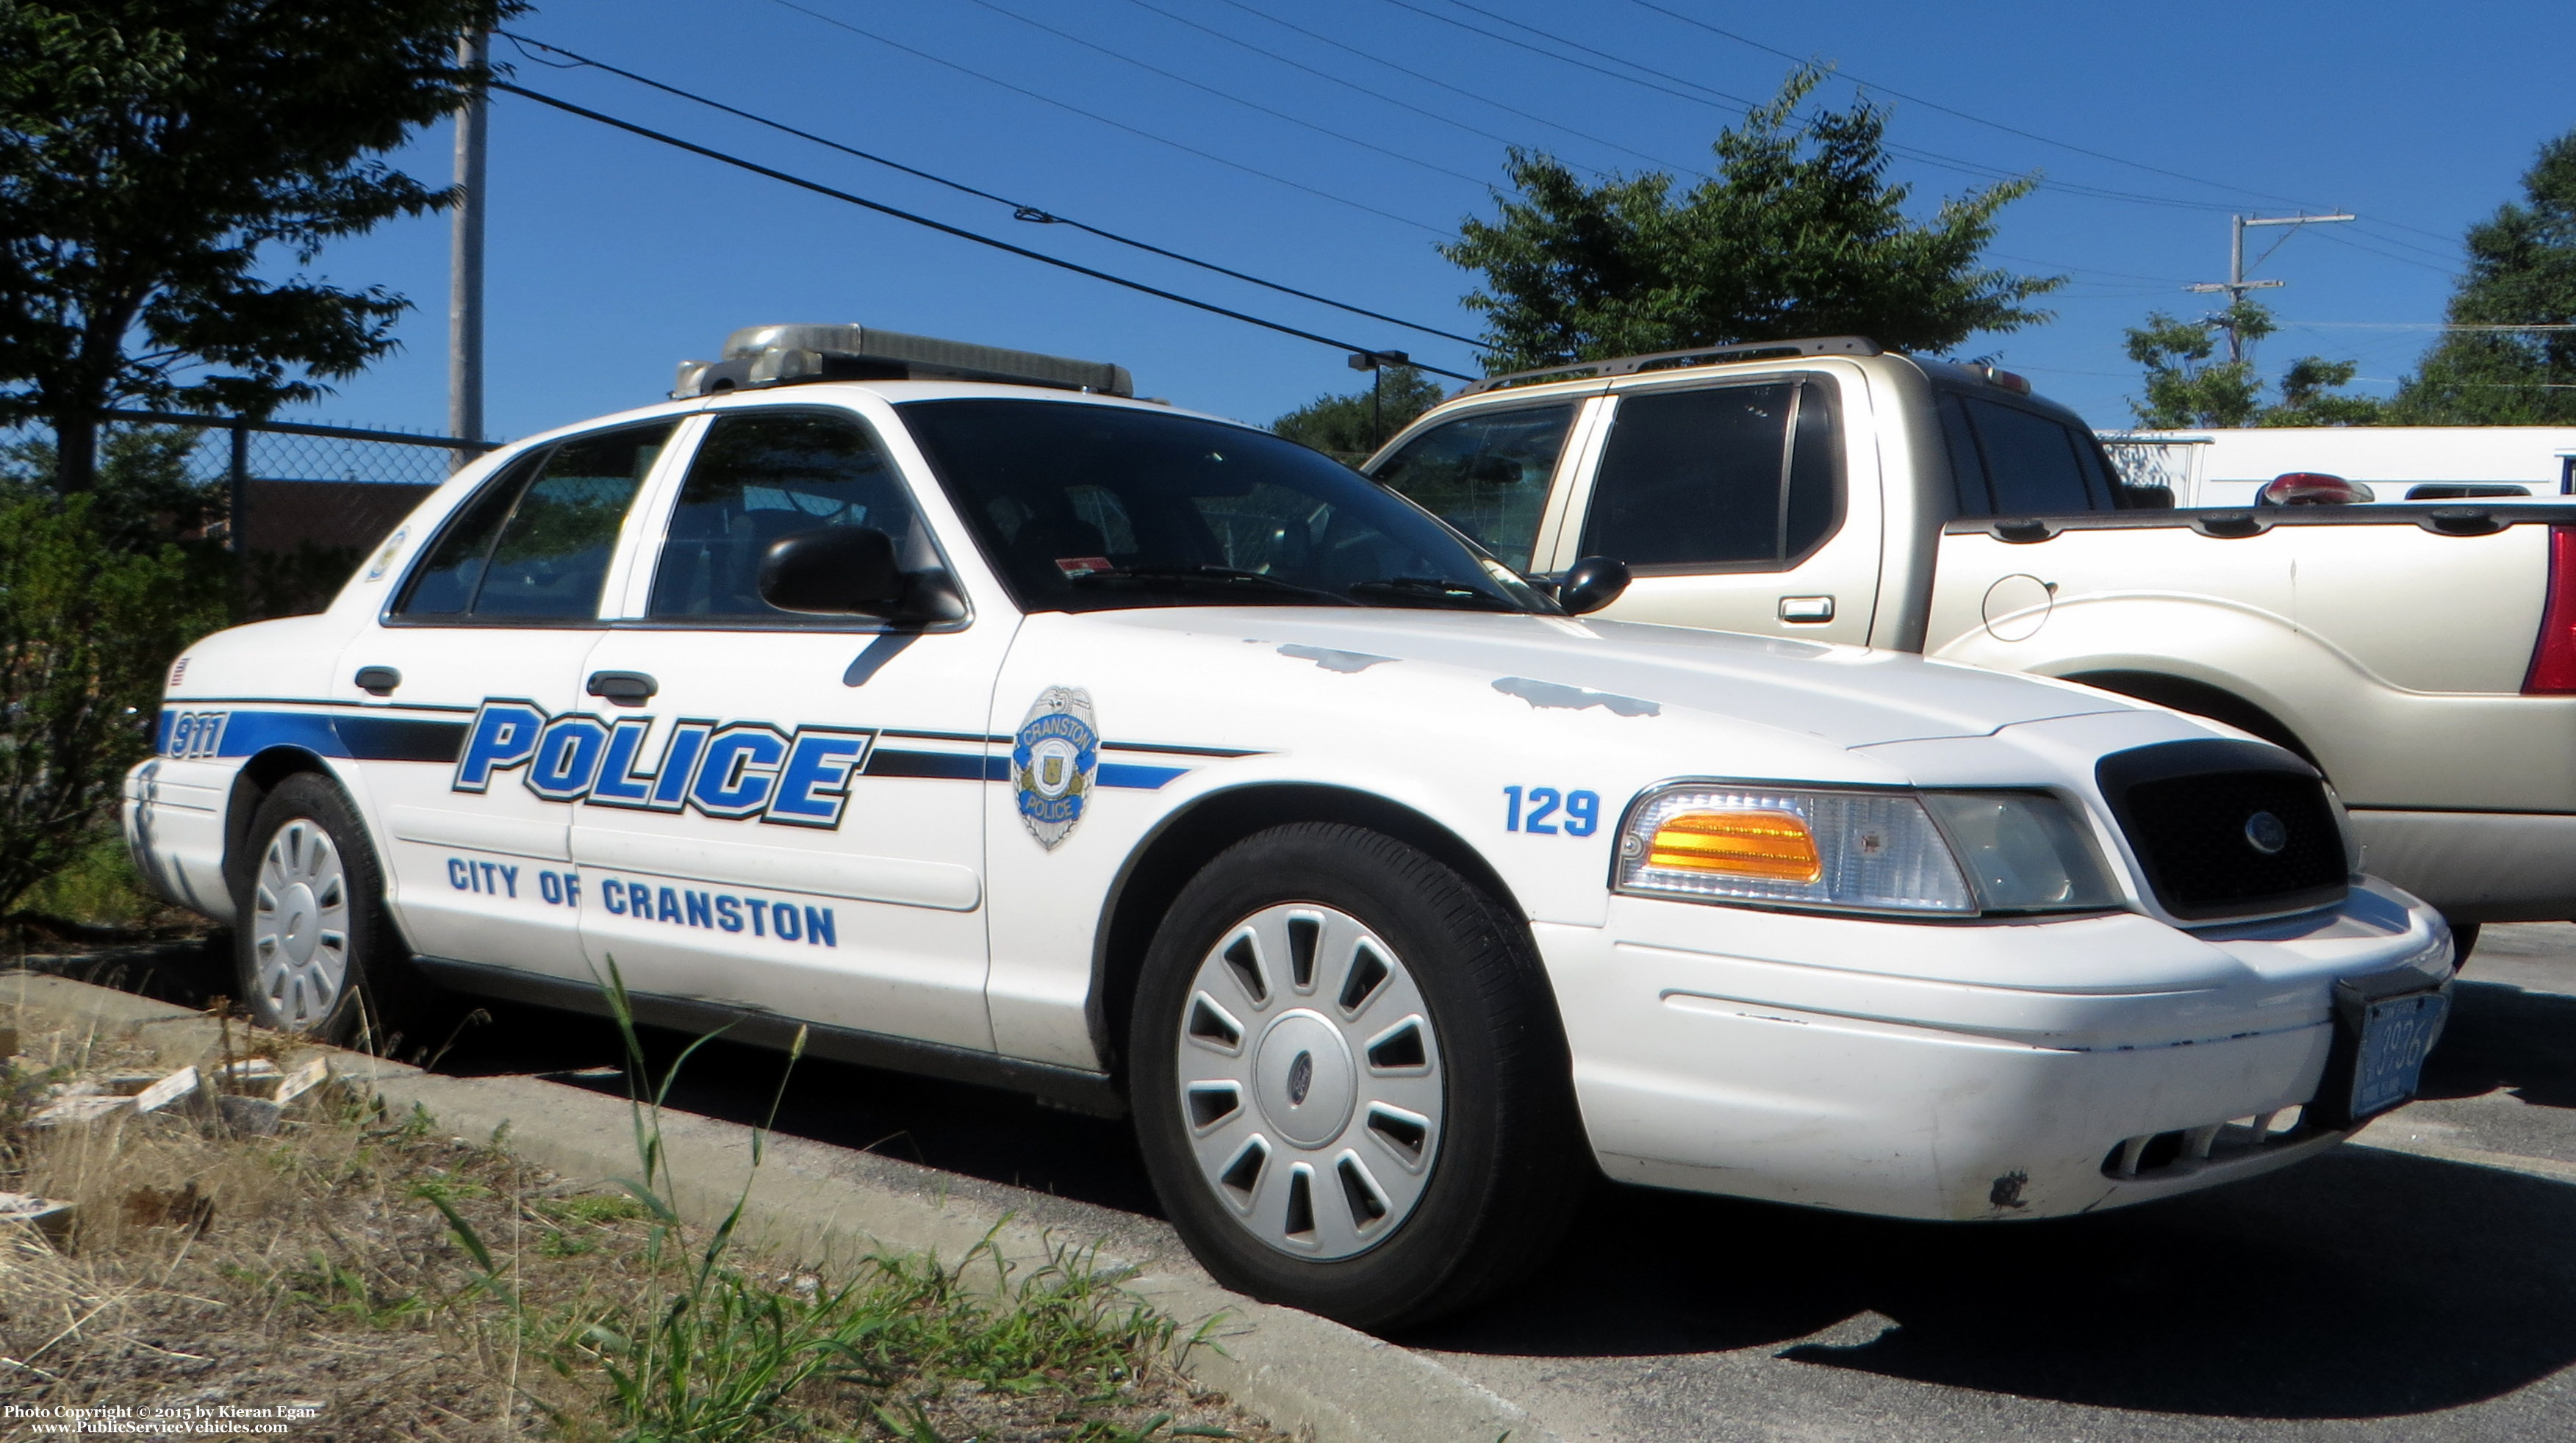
{"type": "Point", "coordinates": [1486, 474]}
{"type": "Point", "coordinates": [534, 545]}
{"type": "Point", "coordinates": [761, 475]}
{"type": "Point", "coordinates": [2008, 461]}
{"type": "Point", "coordinates": [1710, 478]}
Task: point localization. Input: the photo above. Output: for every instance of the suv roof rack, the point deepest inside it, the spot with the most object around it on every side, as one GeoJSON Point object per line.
{"type": "Point", "coordinates": [782, 355]}
{"type": "Point", "coordinates": [1696, 356]}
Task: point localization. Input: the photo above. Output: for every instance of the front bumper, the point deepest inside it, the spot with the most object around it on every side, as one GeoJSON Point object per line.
{"type": "Point", "coordinates": [1992, 1070]}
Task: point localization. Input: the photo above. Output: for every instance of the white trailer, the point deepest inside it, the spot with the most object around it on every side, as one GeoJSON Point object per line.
{"type": "Point", "coordinates": [2228, 467]}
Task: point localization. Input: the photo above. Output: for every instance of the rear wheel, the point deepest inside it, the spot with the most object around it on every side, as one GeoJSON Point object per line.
{"type": "Point", "coordinates": [1349, 1081]}
{"type": "Point", "coordinates": [314, 950]}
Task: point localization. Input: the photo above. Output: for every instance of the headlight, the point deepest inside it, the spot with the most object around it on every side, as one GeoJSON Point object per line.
{"type": "Point", "coordinates": [1865, 851]}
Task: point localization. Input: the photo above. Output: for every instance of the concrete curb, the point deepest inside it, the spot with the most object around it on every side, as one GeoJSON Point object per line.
{"type": "Point", "coordinates": [815, 1201]}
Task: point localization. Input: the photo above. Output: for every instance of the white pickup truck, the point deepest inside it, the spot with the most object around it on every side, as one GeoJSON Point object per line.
{"type": "Point", "coordinates": [2423, 656]}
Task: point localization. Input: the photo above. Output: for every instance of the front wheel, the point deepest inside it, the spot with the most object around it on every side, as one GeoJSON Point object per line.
{"type": "Point", "coordinates": [1349, 1080]}
{"type": "Point", "coordinates": [314, 950]}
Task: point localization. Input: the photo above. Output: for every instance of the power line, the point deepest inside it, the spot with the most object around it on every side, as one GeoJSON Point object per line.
{"type": "Point", "coordinates": [1456, 90]}
{"type": "Point", "coordinates": [2025, 134]}
{"type": "Point", "coordinates": [944, 228]}
{"type": "Point", "coordinates": [1320, 74]}
{"type": "Point", "coordinates": [1020, 210]}
{"type": "Point", "coordinates": [1740, 105]}
{"type": "Point", "coordinates": [1115, 124]}
{"type": "Point", "coordinates": [1177, 78]}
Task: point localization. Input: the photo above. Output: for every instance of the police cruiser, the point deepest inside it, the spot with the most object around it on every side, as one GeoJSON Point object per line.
{"type": "Point", "coordinates": [1002, 727]}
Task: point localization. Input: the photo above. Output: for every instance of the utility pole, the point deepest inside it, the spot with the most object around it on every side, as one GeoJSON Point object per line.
{"type": "Point", "coordinates": [1375, 363]}
{"type": "Point", "coordinates": [465, 259]}
{"type": "Point", "coordinates": [2236, 285]}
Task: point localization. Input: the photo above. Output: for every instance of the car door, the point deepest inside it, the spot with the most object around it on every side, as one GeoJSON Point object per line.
{"type": "Point", "coordinates": [1732, 507]}
{"type": "Point", "coordinates": [786, 811]}
{"type": "Point", "coordinates": [459, 679]}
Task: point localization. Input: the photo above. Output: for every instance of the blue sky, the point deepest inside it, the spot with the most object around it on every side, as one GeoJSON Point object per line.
{"type": "Point", "coordinates": [612, 258]}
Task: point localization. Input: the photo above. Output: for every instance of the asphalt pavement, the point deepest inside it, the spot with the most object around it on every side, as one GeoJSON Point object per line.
{"type": "Point", "coordinates": [2419, 1284]}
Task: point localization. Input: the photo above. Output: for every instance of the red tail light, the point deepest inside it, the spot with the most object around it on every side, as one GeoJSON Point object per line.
{"type": "Point", "coordinates": [2553, 661]}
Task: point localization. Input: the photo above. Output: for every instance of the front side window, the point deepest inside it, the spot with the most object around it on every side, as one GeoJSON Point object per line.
{"type": "Point", "coordinates": [1487, 474]}
{"type": "Point", "coordinates": [1086, 507]}
{"type": "Point", "coordinates": [535, 543]}
{"type": "Point", "coordinates": [761, 475]}
{"type": "Point", "coordinates": [1745, 478]}
{"type": "Point", "coordinates": [2012, 462]}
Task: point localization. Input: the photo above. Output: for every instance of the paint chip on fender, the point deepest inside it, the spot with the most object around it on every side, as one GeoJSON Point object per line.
{"type": "Point", "coordinates": [1331, 660]}
{"type": "Point", "coordinates": [1575, 698]}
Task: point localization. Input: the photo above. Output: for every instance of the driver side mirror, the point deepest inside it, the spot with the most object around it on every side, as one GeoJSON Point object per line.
{"type": "Point", "coordinates": [1591, 584]}
{"type": "Point", "coordinates": [835, 571]}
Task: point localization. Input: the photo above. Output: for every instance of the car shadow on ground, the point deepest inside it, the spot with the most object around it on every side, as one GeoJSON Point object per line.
{"type": "Point", "coordinates": [2361, 1284]}
{"type": "Point", "coordinates": [2501, 1036]}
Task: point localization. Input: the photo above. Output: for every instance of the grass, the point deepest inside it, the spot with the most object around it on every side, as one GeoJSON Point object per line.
{"type": "Point", "coordinates": [418, 1286]}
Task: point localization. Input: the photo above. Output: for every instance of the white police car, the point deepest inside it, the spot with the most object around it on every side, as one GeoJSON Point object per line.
{"type": "Point", "coordinates": [1006, 729]}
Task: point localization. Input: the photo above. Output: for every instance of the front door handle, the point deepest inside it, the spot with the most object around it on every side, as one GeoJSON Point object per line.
{"type": "Point", "coordinates": [1806, 608]}
{"type": "Point", "coordinates": [623, 688]}
{"type": "Point", "coordinates": [378, 680]}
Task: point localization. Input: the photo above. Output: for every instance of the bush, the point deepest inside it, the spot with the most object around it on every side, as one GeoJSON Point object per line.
{"type": "Point", "coordinates": [88, 629]}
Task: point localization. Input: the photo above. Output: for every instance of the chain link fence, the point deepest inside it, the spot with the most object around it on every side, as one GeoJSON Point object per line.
{"type": "Point", "coordinates": [306, 503]}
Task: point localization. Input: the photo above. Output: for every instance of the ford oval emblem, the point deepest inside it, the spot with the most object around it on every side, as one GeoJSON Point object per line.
{"type": "Point", "coordinates": [2266, 833]}
{"type": "Point", "coordinates": [1301, 1078]}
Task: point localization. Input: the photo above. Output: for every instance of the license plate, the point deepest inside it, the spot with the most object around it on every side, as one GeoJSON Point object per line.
{"type": "Point", "coordinates": [2396, 1033]}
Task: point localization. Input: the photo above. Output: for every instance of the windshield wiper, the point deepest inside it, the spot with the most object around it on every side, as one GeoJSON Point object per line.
{"type": "Point", "coordinates": [1229, 577]}
{"type": "Point", "coordinates": [1433, 591]}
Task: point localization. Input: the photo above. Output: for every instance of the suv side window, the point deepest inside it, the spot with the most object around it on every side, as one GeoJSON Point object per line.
{"type": "Point", "coordinates": [2008, 461]}
{"type": "Point", "coordinates": [758, 476]}
{"type": "Point", "coordinates": [534, 544]}
{"type": "Point", "coordinates": [1486, 474]}
{"type": "Point", "coordinates": [1738, 478]}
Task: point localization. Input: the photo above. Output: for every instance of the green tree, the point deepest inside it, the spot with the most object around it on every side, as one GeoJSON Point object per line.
{"type": "Point", "coordinates": [1798, 234]}
{"type": "Point", "coordinates": [2522, 272]}
{"type": "Point", "coordinates": [160, 159]}
{"type": "Point", "coordinates": [2188, 388]}
{"type": "Point", "coordinates": [87, 630]}
{"type": "Point", "coordinates": [1353, 426]}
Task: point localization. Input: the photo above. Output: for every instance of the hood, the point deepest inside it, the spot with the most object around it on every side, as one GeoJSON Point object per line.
{"type": "Point", "coordinates": [1847, 695]}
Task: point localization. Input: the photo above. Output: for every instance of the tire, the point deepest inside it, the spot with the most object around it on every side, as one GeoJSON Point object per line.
{"type": "Point", "coordinates": [314, 951]}
{"type": "Point", "coordinates": [1327, 1011]}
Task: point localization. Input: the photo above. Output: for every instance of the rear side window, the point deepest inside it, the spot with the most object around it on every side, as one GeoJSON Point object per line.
{"type": "Point", "coordinates": [1734, 478]}
{"type": "Point", "coordinates": [1486, 474]}
{"type": "Point", "coordinates": [759, 476]}
{"type": "Point", "coordinates": [535, 543]}
{"type": "Point", "coordinates": [2012, 462]}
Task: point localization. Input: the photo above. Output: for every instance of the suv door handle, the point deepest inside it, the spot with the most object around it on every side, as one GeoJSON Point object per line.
{"type": "Point", "coordinates": [1806, 608]}
{"type": "Point", "coordinates": [378, 680]}
{"type": "Point", "coordinates": [623, 688]}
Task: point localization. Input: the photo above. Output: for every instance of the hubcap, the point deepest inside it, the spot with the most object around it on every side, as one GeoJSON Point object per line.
{"type": "Point", "coordinates": [300, 924]}
{"type": "Point", "coordinates": [1310, 1081]}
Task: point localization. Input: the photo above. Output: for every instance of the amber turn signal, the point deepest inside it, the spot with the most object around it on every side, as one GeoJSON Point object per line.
{"type": "Point", "coordinates": [1775, 846]}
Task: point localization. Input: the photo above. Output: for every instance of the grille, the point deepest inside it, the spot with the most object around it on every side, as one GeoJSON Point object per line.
{"type": "Point", "coordinates": [2220, 838]}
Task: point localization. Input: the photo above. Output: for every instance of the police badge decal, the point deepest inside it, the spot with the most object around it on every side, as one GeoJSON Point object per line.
{"type": "Point", "coordinates": [1055, 759]}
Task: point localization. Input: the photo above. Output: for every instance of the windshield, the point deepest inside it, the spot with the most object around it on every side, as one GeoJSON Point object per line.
{"type": "Point", "coordinates": [1085, 507]}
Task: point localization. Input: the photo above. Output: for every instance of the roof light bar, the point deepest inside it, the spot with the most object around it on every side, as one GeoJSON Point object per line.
{"type": "Point", "coordinates": [783, 355]}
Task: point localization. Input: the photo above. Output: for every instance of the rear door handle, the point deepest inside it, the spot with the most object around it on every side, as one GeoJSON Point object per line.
{"type": "Point", "coordinates": [623, 688]}
{"type": "Point", "coordinates": [378, 680]}
{"type": "Point", "coordinates": [1806, 608]}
